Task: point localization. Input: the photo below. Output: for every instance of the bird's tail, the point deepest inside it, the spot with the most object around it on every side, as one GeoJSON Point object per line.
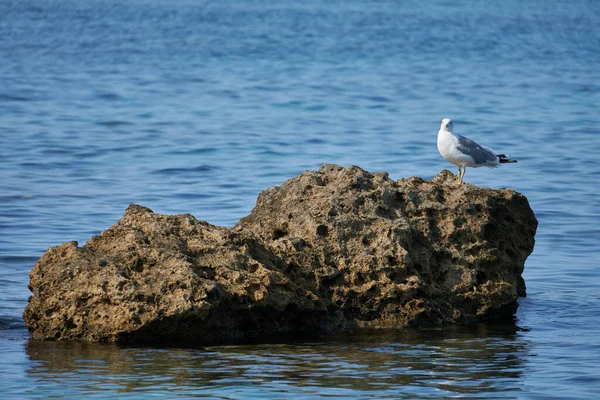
{"type": "Point", "coordinates": [504, 159]}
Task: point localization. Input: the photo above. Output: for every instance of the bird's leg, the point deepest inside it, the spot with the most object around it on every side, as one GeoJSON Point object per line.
{"type": "Point", "coordinates": [462, 176]}
{"type": "Point", "coordinates": [458, 176]}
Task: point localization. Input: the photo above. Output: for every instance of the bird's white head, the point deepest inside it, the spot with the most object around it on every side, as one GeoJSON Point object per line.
{"type": "Point", "coordinates": [447, 125]}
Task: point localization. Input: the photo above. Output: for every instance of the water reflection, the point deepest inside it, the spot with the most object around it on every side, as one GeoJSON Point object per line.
{"type": "Point", "coordinates": [474, 360]}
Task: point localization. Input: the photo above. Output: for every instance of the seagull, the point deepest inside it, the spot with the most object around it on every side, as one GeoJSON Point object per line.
{"type": "Point", "coordinates": [463, 152]}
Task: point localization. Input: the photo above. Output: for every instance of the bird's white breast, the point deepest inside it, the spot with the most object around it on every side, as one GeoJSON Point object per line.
{"type": "Point", "coordinates": [448, 147]}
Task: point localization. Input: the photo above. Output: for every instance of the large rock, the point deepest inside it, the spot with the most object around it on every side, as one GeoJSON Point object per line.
{"type": "Point", "coordinates": [329, 250]}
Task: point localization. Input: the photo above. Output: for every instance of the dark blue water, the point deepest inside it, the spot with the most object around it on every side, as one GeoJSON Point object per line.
{"type": "Point", "coordinates": [197, 106]}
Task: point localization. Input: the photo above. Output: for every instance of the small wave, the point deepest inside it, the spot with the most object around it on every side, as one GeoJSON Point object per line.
{"type": "Point", "coordinates": [377, 99]}
{"type": "Point", "coordinates": [316, 141]}
{"type": "Point", "coordinates": [316, 107]}
{"type": "Point", "coordinates": [112, 124]}
{"type": "Point", "coordinates": [10, 259]}
{"type": "Point", "coordinates": [13, 97]}
{"type": "Point", "coordinates": [7, 323]}
{"type": "Point", "coordinates": [192, 196]}
{"type": "Point", "coordinates": [199, 150]}
{"type": "Point", "coordinates": [177, 171]}
{"type": "Point", "coordinates": [109, 96]}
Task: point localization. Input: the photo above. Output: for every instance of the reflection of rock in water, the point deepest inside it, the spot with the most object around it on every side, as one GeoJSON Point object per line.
{"type": "Point", "coordinates": [452, 359]}
{"type": "Point", "coordinates": [329, 250]}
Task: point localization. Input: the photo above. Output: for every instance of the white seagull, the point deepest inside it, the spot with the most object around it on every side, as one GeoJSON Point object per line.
{"type": "Point", "coordinates": [463, 152]}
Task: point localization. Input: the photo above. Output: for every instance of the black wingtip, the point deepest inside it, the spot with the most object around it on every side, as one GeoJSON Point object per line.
{"type": "Point", "coordinates": [503, 159]}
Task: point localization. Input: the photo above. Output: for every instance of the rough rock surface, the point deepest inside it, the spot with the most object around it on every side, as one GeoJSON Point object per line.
{"type": "Point", "coordinates": [328, 250]}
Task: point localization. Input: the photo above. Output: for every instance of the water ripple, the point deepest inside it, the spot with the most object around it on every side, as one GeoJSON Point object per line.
{"type": "Point", "coordinates": [189, 107]}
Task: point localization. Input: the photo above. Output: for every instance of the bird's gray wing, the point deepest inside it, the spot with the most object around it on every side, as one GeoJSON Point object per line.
{"type": "Point", "coordinates": [480, 154]}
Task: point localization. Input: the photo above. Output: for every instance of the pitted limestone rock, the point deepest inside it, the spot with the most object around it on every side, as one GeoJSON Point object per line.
{"type": "Point", "coordinates": [328, 250]}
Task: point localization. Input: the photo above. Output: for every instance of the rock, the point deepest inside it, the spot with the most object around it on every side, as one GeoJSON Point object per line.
{"type": "Point", "coordinates": [329, 250]}
{"type": "Point", "coordinates": [156, 278]}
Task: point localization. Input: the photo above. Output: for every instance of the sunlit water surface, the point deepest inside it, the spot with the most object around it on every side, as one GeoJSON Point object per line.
{"type": "Point", "coordinates": [197, 106]}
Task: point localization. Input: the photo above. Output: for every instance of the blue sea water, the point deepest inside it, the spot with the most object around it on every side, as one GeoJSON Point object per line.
{"type": "Point", "coordinates": [195, 107]}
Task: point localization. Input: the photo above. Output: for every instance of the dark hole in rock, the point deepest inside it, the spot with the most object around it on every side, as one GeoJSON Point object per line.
{"type": "Point", "coordinates": [322, 230]}
{"type": "Point", "coordinates": [279, 233]}
{"type": "Point", "coordinates": [481, 277]}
